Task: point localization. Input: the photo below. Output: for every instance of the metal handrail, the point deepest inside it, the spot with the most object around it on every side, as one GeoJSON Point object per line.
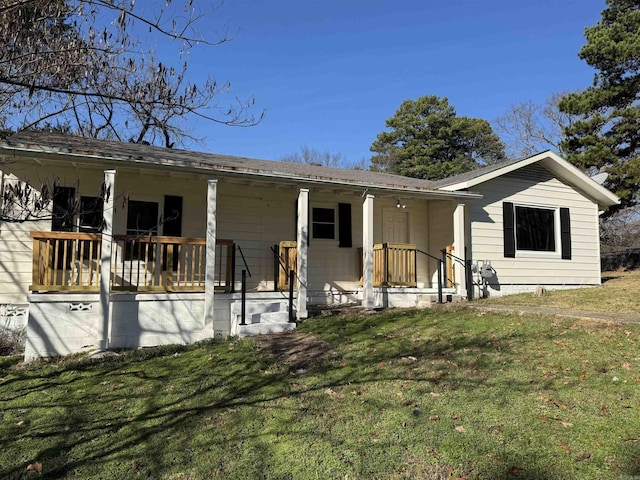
{"type": "Point", "coordinates": [282, 265]}
{"type": "Point", "coordinates": [292, 274]}
{"type": "Point", "coordinates": [244, 260]}
{"type": "Point", "coordinates": [440, 266]}
{"type": "Point", "coordinates": [243, 291]}
{"type": "Point", "coordinates": [461, 261]}
{"type": "Point", "coordinates": [466, 263]}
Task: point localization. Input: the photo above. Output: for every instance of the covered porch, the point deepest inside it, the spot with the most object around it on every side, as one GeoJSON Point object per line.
{"type": "Point", "coordinates": [271, 261]}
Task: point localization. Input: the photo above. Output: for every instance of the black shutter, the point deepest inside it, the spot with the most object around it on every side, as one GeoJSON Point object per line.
{"type": "Point", "coordinates": [172, 216]}
{"type": "Point", "coordinates": [344, 224]}
{"type": "Point", "coordinates": [63, 209]}
{"type": "Point", "coordinates": [509, 230]}
{"type": "Point", "coordinates": [62, 218]}
{"type": "Point", "coordinates": [172, 226]}
{"type": "Point", "coordinates": [565, 233]}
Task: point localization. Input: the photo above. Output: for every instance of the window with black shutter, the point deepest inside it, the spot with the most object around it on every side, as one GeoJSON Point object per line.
{"type": "Point", "coordinates": [536, 229]}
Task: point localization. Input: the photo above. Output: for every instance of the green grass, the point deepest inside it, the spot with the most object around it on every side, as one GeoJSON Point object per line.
{"type": "Point", "coordinates": [619, 293]}
{"type": "Point", "coordinates": [404, 394]}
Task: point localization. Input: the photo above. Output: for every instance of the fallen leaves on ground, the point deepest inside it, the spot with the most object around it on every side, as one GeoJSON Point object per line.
{"type": "Point", "coordinates": [34, 467]}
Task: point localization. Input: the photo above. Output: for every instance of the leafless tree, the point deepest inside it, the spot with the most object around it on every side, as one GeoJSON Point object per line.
{"type": "Point", "coordinates": [529, 128]}
{"type": "Point", "coordinates": [621, 231]}
{"type": "Point", "coordinates": [78, 65]}
{"type": "Point", "coordinates": [312, 156]}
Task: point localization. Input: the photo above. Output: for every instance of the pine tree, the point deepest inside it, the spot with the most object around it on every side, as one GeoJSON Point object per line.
{"type": "Point", "coordinates": [428, 140]}
{"type": "Point", "coordinates": [607, 138]}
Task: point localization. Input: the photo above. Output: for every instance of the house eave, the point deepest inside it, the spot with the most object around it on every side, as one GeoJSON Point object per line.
{"type": "Point", "coordinates": [206, 169]}
{"type": "Point", "coordinates": [558, 167]}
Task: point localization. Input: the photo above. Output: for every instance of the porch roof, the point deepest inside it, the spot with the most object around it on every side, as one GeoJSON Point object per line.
{"type": "Point", "coordinates": [68, 147]}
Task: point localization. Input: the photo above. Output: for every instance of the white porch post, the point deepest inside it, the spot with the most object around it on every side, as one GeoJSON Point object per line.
{"type": "Point", "coordinates": [302, 237]}
{"type": "Point", "coordinates": [103, 333]}
{"type": "Point", "coordinates": [211, 327]}
{"type": "Point", "coordinates": [367, 252]}
{"type": "Point", "coordinates": [459, 245]}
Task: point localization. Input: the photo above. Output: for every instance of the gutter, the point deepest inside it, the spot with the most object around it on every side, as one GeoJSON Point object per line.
{"type": "Point", "coordinates": [224, 171]}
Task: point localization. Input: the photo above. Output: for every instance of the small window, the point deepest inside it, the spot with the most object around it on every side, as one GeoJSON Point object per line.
{"type": "Point", "coordinates": [324, 223]}
{"type": "Point", "coordinates": [142, 220]}
{"type": "Point", "coordinates": [90, 214]}
{"type": "Point", "coordinates": [535, 229]}
{"type": "Point", "coordinates": [90, 221]}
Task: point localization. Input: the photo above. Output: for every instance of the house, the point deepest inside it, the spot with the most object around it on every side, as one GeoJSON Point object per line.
{"type": "Point", "coordinates": [535, 225]}
{"type": "Point", "coordinates": [126, 245]}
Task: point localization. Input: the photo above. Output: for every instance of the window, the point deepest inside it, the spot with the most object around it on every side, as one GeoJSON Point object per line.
{"type": "Point", "coordinates": [62, 218]}
{"type": "Point", "coordinates": [90, 214]}
{"type": "Point", "coordinates": [324, 223]}
{"type": "Point", "coordinates": [142, 220]}
{"type": "Point", "coordinates": [90, 221]}
{"type": "Point", "coordinates": [536, 229]}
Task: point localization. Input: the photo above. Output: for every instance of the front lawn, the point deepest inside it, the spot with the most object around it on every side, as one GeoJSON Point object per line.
{"type": "Point", "coordinates": [619, 293]}
{"type": "Point", "coordinates": [401, 394]}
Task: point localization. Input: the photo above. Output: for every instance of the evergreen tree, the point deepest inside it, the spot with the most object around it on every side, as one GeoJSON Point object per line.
{"type": "Point", "coordinates": [428, 140]}
{"type": "Point", "coordinates": [607, 138]}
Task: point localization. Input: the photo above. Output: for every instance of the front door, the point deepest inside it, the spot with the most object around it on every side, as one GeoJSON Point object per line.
{"type": "Point", "coordinates": [395, 226]}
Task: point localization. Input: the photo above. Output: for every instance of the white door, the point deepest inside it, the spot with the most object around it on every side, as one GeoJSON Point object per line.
{"type": "Point", "coordinates": [395, 226]}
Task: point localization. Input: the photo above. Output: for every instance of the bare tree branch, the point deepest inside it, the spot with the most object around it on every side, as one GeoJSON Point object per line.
{"type": "Point", "coordinates": [67, 61]}
{"type": "Point", "coordinates": [529, 128]}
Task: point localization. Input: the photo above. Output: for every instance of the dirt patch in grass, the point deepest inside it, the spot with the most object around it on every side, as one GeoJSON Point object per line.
{"type": "Point", "coordinates": [296, 349]}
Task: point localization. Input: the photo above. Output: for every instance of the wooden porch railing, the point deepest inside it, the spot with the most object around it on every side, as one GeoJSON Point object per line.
{"type": "Point", "coordinates": [68, 261]}
{"type": "Point", "coordinates": [394, 265]}
{"type": "Point", "coordinates": [288, 253]}
{"type": "Point", "coordinates": [168, 264]}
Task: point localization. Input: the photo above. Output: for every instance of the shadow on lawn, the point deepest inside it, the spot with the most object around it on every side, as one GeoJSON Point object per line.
{"type": "Point", "coordinates": [91, 431]}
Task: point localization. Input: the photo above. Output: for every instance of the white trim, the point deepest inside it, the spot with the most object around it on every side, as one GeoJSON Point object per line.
{"type": "Point", "coordinates": [326, 206]}
{"type": "Point", "coordinates": [211, 327]}
{"type": "Point", "coordinates": [557, 234]}
{"type": "Point", "coordinates": [368, 298]}
{"type": "Point", "coordinates": [302, 245]}
{"type": "Point", "coordinates": [104, 328]}
{"type": "Point", "coordinates": [555, 164]}
{"type": "Point", "coordinates": [459, 248]}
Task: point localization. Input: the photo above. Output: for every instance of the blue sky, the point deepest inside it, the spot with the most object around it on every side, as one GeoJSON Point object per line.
{"type": "Point", "coordinates": [329, 73]}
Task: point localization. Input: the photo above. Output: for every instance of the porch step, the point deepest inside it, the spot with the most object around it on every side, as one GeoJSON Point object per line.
{"type": "Point", "coordinates": [270, 316]}
{"type": "Point", "coordinates": [263, 328]}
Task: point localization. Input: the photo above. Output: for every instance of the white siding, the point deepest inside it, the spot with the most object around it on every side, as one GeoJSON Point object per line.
{"type": "Point", "coordinates": [534, 185]}
{"type": "Point", "coordinates": [255, 217]}
{"type": "Point", "coordinates": [334, 269]}
{"type": "Point", "coordinates": [15, 242]}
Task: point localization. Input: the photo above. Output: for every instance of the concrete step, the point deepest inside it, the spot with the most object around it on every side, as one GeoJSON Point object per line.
{"type": "Point", "coordinates": [261, 317]}
{"type": "Point", "coordinates": [274, 317]}
{"type": "Point", "coordinates": [254, 306]}
{"type": "Point", "coordinates": [263, 328]}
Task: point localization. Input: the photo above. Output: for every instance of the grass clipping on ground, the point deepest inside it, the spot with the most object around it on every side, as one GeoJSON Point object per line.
{"type": "Point", "coordinates": [401, 394]}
